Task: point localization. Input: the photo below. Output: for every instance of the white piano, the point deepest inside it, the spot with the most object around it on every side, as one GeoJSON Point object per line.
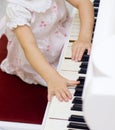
{"type": "Point", "coordinates": [93, 103]}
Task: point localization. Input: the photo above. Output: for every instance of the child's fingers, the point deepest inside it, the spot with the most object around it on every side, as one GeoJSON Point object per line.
{"type": "Point", "coordinates": [68, 94]}
{"type": "Point", "coordinates": [74, 54]}
{"type": "Point", "coordinates": [71, 82]}
{"type": "Point", "coordinates": [60, 97]}
{"type": "Point", "coordinates": [80, 54]}
{"type": "Point", "coordinates": [50, 95]}
{"type": "Point", "coordinates": [64, 95]}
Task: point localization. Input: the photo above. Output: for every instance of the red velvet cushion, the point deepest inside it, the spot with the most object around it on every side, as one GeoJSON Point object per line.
{"type": "Point", "coordinates": [20, 102]}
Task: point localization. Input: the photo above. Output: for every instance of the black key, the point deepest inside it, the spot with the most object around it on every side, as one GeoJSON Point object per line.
{"type": "Point", "coordinates": [77, 100]}
{"type": "Point", "coordinates": [81, 79]}
{"type": "Point", "coordinates": [79, 86]}
{"type": "Point", "coordinates": [96, 1]}
{"type": "Point", "coordinates": [82, 71]}
{"type": "Point", "coordinates": [85, 58]}
{"type": "Point", "coordinates": [84, 65]}
{"type": "Point", "coordinates": [76, 118]}
{"type": "Point", "coordinates": [78, 92]}
{"type": "Point", "coordinates": [95, 12]}
{"type": "Point", "coordinates": [96, 4]}
{"type": "Point", "coordinates": [94, 27]}
{"type": "Point", "coordinates": [77, 107]}
{"type": "Point", "coordinates": [78, 126]}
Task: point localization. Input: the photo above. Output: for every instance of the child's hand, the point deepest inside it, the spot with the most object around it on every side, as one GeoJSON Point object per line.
{"type": "Point", "coordinates": [58, 87]}
{"type": "Point", "coordinates": [78, 49]}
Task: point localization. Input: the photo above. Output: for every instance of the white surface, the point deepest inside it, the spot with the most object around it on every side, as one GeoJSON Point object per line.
{"type": "Point", "coordinates": [99, 92]}
{"type": "Point", "coordinates": [2, 7]}
{"type": "Point", "coordinates": [18, 126]}
{"type": "Point", "coordinates": [99, 104]}
{"type": "Point", "coordinates": [103, 58]}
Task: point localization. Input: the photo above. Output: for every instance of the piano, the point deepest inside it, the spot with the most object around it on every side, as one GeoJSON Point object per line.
{"type": "Point", "coordinates": [93, 103]}
{"type": "Point", "coordinates": [70, 115]}
{"type": "Point", "coordinates": [99, 89]}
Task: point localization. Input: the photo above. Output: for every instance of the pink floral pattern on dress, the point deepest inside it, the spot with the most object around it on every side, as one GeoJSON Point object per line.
{"type": "Point", "coordinates": [48, 48]}
{"type": "Point", "coordinates": [54, 8]}
{"type": "Point", "coordinates": [65, 35]}
{"type": "Point", "coordinates": [56, 32]}
{"type": "Point", "coordinates": [43, 24]}
{"type": "Point", "coordinates": [9, 42]}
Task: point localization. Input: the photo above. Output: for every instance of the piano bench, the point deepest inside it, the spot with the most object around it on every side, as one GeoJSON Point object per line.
{"type": "Point", "coordinates": [20, 102]}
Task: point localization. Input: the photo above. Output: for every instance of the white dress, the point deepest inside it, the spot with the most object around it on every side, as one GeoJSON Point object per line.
{"type": "Point", "coordinates": [50, 23]}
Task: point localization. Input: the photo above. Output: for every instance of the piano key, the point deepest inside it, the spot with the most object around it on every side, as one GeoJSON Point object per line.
{"type": "Point", "coordinates": [68, 50]}
{"type": "Point", "coordinates": [81, 79]}
{"type": "Point", "coordinates": [77, 107]}
{"type": "Point", "coordinates": [68, 74]}
{"type": "Point", "coordinates": [58, 124]}
{"type": "Point", "coordinates": [85, 58]}
{"type": "Point", "coordinates": [77, 100]}
{"type": "Point", "coordinates": [65, 111]}
{"type": "Point", "coordinates": [78, 126]}
{"type": "Point", "coordinates": [76, 118]}
{"type": "Point", "coordinates": [60, 112]}
{"type": "Point", "coordinates": [96, 4]}
{"type": "Point", "coordinates": [73, 75]}
{"type": "Point", "coordinates": [75, 27]}
{"type": "Point", "coordinates": [95, 12]}
{"type": "Point", "coordinates": [84, 65]}
{"type": "Point", "coordinates": [68, 54]}
{"type": "Point", "coordinates": [67, 65]}
{"type": "Point", "coordinates": [78, 92]}
{"type": "Point", "coordinates": [79, 86]}
{"type": "Point", "coordinates": [83, 71]}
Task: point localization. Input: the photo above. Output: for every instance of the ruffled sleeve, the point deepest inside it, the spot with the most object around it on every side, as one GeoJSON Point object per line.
{"type": "Point", "coordinates": [34, 5]}
{"type": "Point", "coordinates": [17, 16]}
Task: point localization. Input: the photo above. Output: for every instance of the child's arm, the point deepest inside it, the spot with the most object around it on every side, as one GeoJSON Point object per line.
{"type": "Point", "coordinates": [86, 13]}
{"type": "Point", "coordinates": [57, 85]}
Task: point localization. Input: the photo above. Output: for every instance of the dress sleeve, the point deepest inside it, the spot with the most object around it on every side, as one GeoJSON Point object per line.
{"type": "Point", "coordinates": [17, 16]}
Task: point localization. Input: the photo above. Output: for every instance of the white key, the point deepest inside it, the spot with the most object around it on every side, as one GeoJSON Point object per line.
{"type": "Point", "coordinates": [57, 124]}
{"type": "Point", "coordinates": [70, 65]}
{"type": "Point", "coordinates": [71, 75]}
{"type": "Point", "coordinates": [62, 110]}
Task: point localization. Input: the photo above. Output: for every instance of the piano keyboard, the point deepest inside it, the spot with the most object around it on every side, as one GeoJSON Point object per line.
{"type": "Point", "coordinates": [69, 115]}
